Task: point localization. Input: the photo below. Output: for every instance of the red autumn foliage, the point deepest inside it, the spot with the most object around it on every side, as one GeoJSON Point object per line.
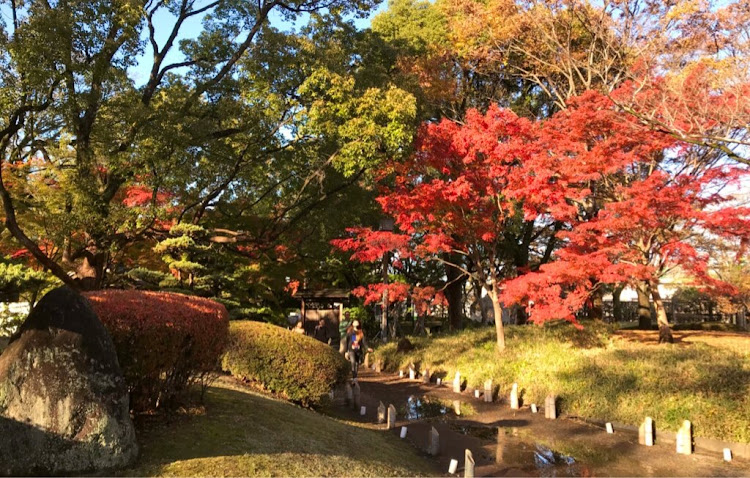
{"type": "Point", "coordinates": [424, 299]}
{"type": "Point", "coordinates": [623, 205]}
{"type": "Point", "coordinates": [164, 341]}
{"type": "Point", "coordinates": [139, 196]}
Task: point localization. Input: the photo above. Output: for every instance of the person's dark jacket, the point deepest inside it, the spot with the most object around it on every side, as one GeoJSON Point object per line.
{"type": "Point", "coordinates": [321, 333]}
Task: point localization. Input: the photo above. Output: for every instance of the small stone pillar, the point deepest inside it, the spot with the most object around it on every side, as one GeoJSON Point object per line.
{"type": "Point", "coordinates": [391, 416]}
{"type": "Point", "coordinates": [533, 408]}
{"type": "Point", "coordinates": [488, 391]}
{"type": "Point", "coordinates": [646, 432]}
{"type": "Point", "coordinates": [349, 393]}
{"type": "Point", "coordinates": [727, 454]}
{"type": "Point", "coordinates": [550, 409]}
{"type": "Point", "coordinates": [355, 395]}
{"type": "Point", "coordinates": [457, 406]}
{"type": "Point", "coordinates": [684, 439]}
{"type": "Point", "coordinates": [469, 464]}
{"type": "Point", "coordinates": [433, 446]}
{"type": "Point", "coordinates": [476, 393]}
{"type": "Point", "coordinates": [609, 428]}
{"type": "Point", "coordinates": [426, 375]}
{"type": "Point", "coordinates": [514, 397]}
{"type": "Point", "coordinates": [412, 372]}
{"type": "Point", "coordinates": [381, 413]}
{"type": "Point", "coordinates": [457, 382]}
{"type": "Point", "coordinates": [378, 366]}
{"type": "Point", "coordinates": [400, 374]}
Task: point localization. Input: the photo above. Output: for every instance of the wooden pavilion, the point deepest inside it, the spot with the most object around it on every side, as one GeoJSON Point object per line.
{"type": "Point", "coordinates": [327, 304]}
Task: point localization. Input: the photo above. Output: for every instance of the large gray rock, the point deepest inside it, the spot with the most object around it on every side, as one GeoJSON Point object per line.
{"type": "Point", "coordinates": [63, 399]}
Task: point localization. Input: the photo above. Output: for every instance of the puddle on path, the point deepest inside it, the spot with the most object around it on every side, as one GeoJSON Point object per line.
{"type": "Point", "coordinates": [531, 457]}
{"type": "Point", "coordinates": [418, 408]}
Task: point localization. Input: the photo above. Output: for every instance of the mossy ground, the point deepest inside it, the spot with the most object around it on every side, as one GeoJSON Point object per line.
{"type": "Point", "coordinates": [242, 433]}
{"type": "Point", "coordinates": [598, 374]}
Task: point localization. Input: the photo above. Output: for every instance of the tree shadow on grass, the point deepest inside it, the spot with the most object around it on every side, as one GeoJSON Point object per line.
{"type": "Point", "coordinates": [241, 424]}
{"type": "Point", "coordinates": [671, 384]}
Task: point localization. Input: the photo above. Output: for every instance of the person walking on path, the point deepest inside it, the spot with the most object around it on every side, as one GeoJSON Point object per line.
{"type": "Point", "coordinates": [321, 331]}
{"type": "Point", "coordinates": [356, 346]}
{"type": "Point", "coordinates": [344, 324]}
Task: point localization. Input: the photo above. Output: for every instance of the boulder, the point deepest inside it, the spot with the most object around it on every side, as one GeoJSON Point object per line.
{"type": "Point", "coordinates": [63, 400]}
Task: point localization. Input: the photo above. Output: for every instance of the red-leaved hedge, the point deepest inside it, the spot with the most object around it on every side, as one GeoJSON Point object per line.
{"type": "Point", "coordinates": [164, 341]}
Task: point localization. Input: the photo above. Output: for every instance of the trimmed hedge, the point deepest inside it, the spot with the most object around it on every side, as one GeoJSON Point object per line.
{"type": "Point", "coordinates": [164, 341]}
{"type": "Point", "coordinates": [297, 367]}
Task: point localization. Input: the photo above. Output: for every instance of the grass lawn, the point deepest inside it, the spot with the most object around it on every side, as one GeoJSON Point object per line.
{"type": "Point", "coordinates": [598, 374]}
{"type": "Point", "coordinates": [243, 433]}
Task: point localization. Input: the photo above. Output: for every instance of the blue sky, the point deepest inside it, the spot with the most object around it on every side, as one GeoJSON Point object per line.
{"type": "Point", "coordinates": [192, 28]}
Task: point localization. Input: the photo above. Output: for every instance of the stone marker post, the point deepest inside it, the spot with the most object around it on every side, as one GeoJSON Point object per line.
{"type": "Point", "coordinates": [349, 393]}
{"type": "Point", "coordinates": [646, 432]}
{"type": "Point", "coordinates": [412, 374]}
{"type": "Point", "coordinates": [355, 395]}
{"type": "Point", "coordinates": [684, 439]}
{"type": "Point", "coordinates": [457, 406]}
{"type": "Point", "coordinates": [514, 397]}
{"type": "Point", "coordinates": [426, 375]}
{"type": "Point", "coordinates": [457, 383]}
{"type": "Point", "coordinates": [378, 366]}
{"type": "Point", "coordinates": [469, 464]}
{"type": "Point", "coordinates": [476, 393]}
{"type": "Point", "coordinates": [609, 427]}
{"type": "Point", "coordinates": [433, 446]}
{"type": "Point", "coordinates": [488, 390]}
{"type": "Point", "coordinates": [533, 408]}
{"type": "Point", "coordinates": [438, 381]}
{"type": "Point", "coordinates": [381, 413]}
{"type": "Point", "coordinates": [550, 410]}
{"type": "Point", "coordinates": [363, 410]}
{"type": "Point", "coordinates": [403, 432]}
{"type": "Point", "coordinates": [400, 374]}
{"type": "Point", "coordinates": [452, 467]}
{"type": "Point", "coordinates": [727, 454]}
{"type": "Point", "coordinates": [367, 360]}
{"type": "Point", "coordinates": [391, 416]}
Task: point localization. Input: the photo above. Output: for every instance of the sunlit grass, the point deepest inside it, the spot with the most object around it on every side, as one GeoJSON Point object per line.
{"type": "Point", "coordinates": [599, 376]}
{"type": "Point", "coordinates": [246, 434]}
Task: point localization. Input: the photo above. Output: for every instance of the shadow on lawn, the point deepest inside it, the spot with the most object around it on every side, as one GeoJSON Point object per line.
{"type": "Point", "coordinates": [238, 423]}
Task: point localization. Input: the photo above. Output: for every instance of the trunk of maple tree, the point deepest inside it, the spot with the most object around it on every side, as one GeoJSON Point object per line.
{"type": "Point", "coordinates": [617, 303]}
{"type": "Point", "coordinates": [498, 311]}
{"type": "Point", "coordinates": [665, 333]}
{"type": "Point", "coordinates": [454, 294]}
{"type": "Point", "coordinates": [596, 307]}
{"type": "Point", "coordinates": [644, 306]}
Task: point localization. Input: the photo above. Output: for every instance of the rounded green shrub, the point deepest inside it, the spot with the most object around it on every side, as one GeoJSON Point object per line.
{"type": "Point", "coordinates": [297, 367]}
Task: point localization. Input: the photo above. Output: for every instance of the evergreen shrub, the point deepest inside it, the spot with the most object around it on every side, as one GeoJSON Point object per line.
{"type": "Point", "coordinates": [297, 367]}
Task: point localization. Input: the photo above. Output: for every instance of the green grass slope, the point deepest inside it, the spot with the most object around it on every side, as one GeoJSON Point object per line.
{"type": "Point", "coordinates": [243, 433]}
{"type": "Point", "coordinates": [598, 375]}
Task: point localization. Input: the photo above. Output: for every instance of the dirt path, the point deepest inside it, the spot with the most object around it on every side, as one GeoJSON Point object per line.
{"type": "Point", "coordinates": [507, 442]}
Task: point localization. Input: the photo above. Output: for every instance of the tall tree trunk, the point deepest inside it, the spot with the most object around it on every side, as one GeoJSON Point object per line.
{"type": "Point", "coordinates": [596, 305]}
{"type": "Point", "coordinates": [665, 333]}
{"type": "Point", "coordinates": [617, 303]}
{"type": "Point", "coordinates": [644, 306]}
{"type": "Point", "coordinates": [91, 271]}
{"type": "Point", "coordinates": [454, 293]}
{"type": "Point", "coordinates": [498, 311]}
